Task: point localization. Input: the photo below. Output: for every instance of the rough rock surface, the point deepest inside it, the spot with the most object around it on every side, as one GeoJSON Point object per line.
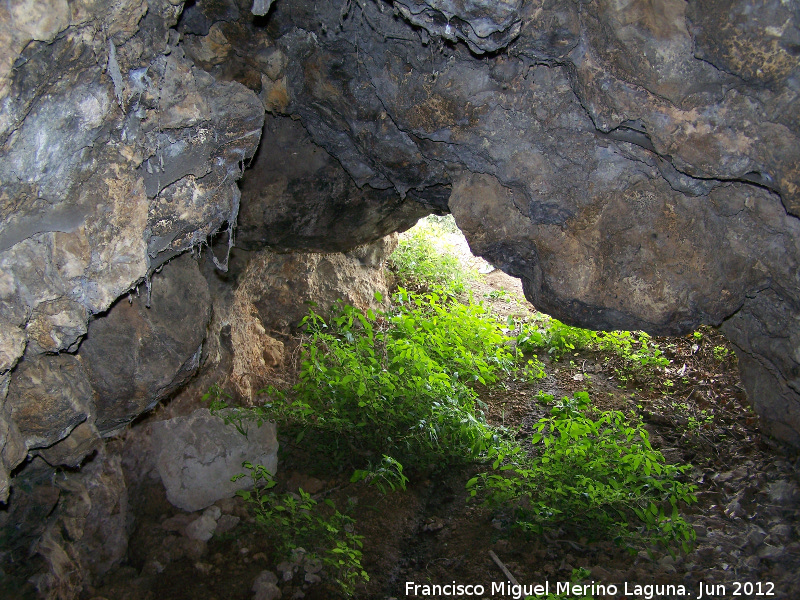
{"type": "Point", "coordinates": [117, 155]}
{"type": "Point", "coordinates": [265, 587]}
{"type": "Point", "coordinates": [136, 355]}
{"type": "Point", "coordinates": [273, 292]}
{"type": "Point", "coordinates": [484, 26]}
{"type": "Point", "coordinates": [636, 164]}
{"type": "Point", "coordinates": [640, 160]}
{"type": "Point", "coordinates": [72, 546]}
{"type": "Point", "coordinates": [197, 455]}
{"type": "Point", "coordinates": [283, 287]}
{"type": "Point", "coordinates": [24, 521]}
{"type": "Point", "coordinates": [297, 196]}
{"type": "Point", "coordinates": [49, 397]}
{"type": "Point", "coordinates": [72, 450]}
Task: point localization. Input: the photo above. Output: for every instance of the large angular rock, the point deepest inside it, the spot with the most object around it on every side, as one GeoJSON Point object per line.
{"type": "Point", "coordinates": [88, 535]}
{"type": "Point", "coordinates": [24, 520]}
{"type": "Point", "coordinates": [73, 449]}
{"type": "Point", "coordinates": [136, 355]}
{"type": "Point", "coordinates": [276, 290]}
{"type": "Point", "coordinates": [71, 529]}
{"type": "Point", "coordinates": [283, 287]}
{"type": "Point", "coordinates": [766, 333]}
{"type": "Point", "coordinates": [12, 445]}
{"type": "Point", "coordinates": [197, 455]}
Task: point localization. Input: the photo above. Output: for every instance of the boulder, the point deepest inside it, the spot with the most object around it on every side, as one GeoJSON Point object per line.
{"type": "Point", "coordinates": [283, 287]}
{"type": "Point", "coordinates": [204, 526]}
{"type": "Point", "coordinates": [265, 586]}
{"type": "Point", "coordinates": [147, 346]}
{"type": "Point", "coordinates": [275, 291]}
{"type": "Point", "coordinates": [49, 397]}
{"type": "Point", "coordinates": [87, 536]}
{"type": "Point", "coordinates": [197, 455]}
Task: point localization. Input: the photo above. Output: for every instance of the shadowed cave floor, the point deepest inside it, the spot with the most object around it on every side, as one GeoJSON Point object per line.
{"type": "Point", "coordinates": [746, 519]}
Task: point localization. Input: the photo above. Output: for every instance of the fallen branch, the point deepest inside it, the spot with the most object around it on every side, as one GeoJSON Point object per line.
{"type": "Point", "coordinates": [503, 568]}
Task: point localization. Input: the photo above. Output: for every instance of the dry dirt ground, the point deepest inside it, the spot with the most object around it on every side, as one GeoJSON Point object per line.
{"type": "Point", "coordinates": [746, 518]}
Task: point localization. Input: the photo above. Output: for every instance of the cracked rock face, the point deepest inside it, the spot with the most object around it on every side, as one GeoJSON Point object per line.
{"type": "Point", "coordinates": [637, 165]}
{"type": "Point", "coordinates": [485, 26]}
{"type": "Point", "coordinates": [296, 196]}
{"type": "Point", "coordinates": [147, 347]}
{"type": "Point", "coordinates": [118, 154]}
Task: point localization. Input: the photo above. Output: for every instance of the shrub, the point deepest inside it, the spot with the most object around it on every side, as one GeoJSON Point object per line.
{"type": "Point", "coordinates": [386, 385]}
{"type": "Point", "coordinates": [637, 349]}
{"type": "Point", "coordinates": [307, 530]}
{"type": "Point", "coordinates": [553, 336]}
{"type": "Point", "coordinates": [721, 353]}
{"type": "Point", "coordinates": [397, 384]}
{"type": "Point", "coordinates": [639, 353]}
{"type": "Point", "coordinates": [422, 264]}
{"type": "Point", "coordinates": [592, 472]}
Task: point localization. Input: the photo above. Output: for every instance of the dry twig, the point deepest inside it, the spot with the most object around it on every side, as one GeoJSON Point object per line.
{"type": "Point", "coordinates": [503, 568]}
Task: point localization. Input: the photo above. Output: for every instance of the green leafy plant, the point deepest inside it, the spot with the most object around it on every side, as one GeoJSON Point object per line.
{"type": "Point", "coordinates": [553, 336]}
{"type": "Point", "coordinates": [390, 385]}
{"type": "Point", "coordinates": [721, 353]}
{"type": "Point", "coordinates": [397, 384]}
{"type": "Point", "coordinates": [388, 476]}
{"type": "Point", "coordinates": [307, 529]}
{"type": "Point", "coordinates": [501, 294]}
{"type": "Point", "coordinates": [639, 354]}
{"type": "Point", "coordinates": [241, 417]}
{"type": "Point", "coordinates": [594, 472]}
{"type": "Point", "coordinates": [422, 262]}
{"type": "Point", "coordinates": [701, 421]}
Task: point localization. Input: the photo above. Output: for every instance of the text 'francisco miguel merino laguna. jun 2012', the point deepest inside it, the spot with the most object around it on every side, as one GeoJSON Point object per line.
{"type": "Point", "coordinates": [633, 590]}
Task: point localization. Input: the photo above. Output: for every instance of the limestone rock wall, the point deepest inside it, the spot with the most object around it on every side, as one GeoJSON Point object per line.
{"type": "Point", "coordinates": [62, 533]}
{"type": "Point", "coordinates": [118, 154]}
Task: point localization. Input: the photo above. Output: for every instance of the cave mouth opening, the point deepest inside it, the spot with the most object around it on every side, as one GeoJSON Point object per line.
{"type": "Point", "coordinates": [124, 134]}
{"type": "Point", "coordinates": [677, 381]}
{"type": "Point", "coordinates": [404, 403]}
